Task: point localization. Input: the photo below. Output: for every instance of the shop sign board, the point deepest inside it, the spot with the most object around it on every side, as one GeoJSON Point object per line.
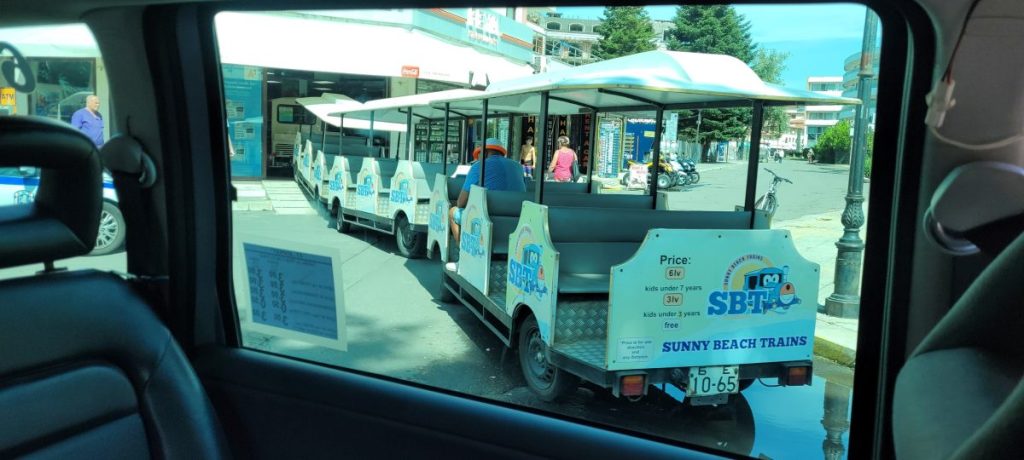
{"type": "Point", "coordinates": [712, 298]}
{"type": "Point", "coordinates": [7, 99]}
{"type": "Point", "coordinates": [483, 26]}
{"type": "Point", "coordinates": [410, 71]}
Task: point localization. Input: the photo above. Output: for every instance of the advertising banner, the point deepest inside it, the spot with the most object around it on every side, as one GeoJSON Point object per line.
{"type": "Point", "coordinates": [533, 267]}
{"type": "Point", "coordinates": [243, 96]}
{"type": "Point", "coordinates": [475, 241]}
{"type": "Point", "coordinates": [711, 298]}
{"type": "Point", "coordinates": [609, 147]}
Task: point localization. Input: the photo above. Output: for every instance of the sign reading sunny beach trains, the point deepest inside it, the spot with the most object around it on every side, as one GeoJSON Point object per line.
{"type": "Point", "coordinates": [736, 297]}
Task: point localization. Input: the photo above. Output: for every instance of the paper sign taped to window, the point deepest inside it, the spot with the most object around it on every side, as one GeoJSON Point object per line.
{"type": "Point", "coordinates": [293, 291]}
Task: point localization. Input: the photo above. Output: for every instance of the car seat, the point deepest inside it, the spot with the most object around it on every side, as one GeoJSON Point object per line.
{"type": "Point", "coordinates": [961, 393]}
{"type": "Point", "coordinates": [86, 368]}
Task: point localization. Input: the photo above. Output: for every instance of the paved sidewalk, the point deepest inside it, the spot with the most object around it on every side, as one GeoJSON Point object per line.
{"type": "Point", "coordinates": [282, 196]}
{"type": "Point", "coordinates": [815, 237]}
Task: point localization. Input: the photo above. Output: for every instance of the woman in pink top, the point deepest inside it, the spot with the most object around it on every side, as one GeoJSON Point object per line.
{"type": "Point", "coordinates": [561, 164]}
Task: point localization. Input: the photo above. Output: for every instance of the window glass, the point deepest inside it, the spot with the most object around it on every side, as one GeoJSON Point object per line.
{"type": "Point", "coordinates": [698, 333]}
{"type": "Point", "coordinates": [70, 86]}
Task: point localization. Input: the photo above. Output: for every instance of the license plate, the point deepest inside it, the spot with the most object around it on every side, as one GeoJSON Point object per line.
{"type": "Point", "coordinates": [708, 381]}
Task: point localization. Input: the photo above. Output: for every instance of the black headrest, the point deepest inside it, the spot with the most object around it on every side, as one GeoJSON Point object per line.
{"type": "Point", "coordinates": [63, 219]}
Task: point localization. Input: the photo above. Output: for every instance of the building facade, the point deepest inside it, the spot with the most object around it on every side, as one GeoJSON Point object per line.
{"type": "Point", "coordinates": [851, 77]}
{"type": "Point", "coordinates": [819, 118]}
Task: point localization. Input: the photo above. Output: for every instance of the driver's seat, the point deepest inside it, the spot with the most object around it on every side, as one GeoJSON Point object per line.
{"type": "Point", "coordinates": [86, 368]}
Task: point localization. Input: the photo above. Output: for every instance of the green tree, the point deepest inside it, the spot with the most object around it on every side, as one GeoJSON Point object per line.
{"type": "Point", "coordinates": [626, 30]}
{"type": "Point", "coordinates": [714, 29]}
{"type": "Point", "coordinates": [834, 143]}
{"type": "Point", "coordinates": [769, 65]}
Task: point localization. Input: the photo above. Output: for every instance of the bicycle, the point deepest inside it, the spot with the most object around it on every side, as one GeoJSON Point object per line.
{"type": "Point", "coordinates": [768, 202]}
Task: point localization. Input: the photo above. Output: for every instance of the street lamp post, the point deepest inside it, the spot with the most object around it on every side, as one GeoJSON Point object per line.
{"type": "Point", "coordinates": [845, 301]}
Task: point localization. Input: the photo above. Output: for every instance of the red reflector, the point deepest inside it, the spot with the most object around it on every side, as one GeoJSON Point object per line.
{"type": "Point", "coordinates": [632, 385]}
{"type": "Point", "coordinates": [796, 376]}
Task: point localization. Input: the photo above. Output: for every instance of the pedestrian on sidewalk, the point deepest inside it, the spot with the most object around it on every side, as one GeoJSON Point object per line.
{"type": "Point", "coordinates": [561, 163]}
{"type": "Point", "coordinates": [89, 120]}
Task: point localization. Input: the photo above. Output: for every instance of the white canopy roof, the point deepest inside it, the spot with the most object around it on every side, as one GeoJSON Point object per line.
{"type": "Point", "coordinates": [394, 109]}
{"type": "Point", "coordinates": [675, 80]}
{"type": "Point", "coordinates": [329, 103]}
{"type": "Point", "coordinates": [323, 44]}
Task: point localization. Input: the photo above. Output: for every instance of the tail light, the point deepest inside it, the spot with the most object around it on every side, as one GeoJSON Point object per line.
{"type": "Point", "coordinates": [795, 376]}
{"type": "Point", "coordinates": [632, 385]}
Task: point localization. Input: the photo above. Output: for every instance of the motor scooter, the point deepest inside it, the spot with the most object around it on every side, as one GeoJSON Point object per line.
{"type": "Point", "coordinates": [680, 169]}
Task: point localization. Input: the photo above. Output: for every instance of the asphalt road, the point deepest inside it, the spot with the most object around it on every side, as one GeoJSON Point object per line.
{"type": "Point", "coordinates": [816, 188]}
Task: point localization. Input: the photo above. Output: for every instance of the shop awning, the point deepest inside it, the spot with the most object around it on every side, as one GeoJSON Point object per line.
{"type": "Point", "coordinates": [323, 44]}
{"type": "Point", "coordinates": [394, 109]}
{"type": "Point", "coordinates": [327, 104]}
{"type": "Point", "coordinates": [670, 79]}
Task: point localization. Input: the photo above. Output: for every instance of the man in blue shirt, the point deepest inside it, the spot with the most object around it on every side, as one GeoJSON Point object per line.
{"type": "Point", "coordinates": [500, 173]}
{"type": "Point", "coordinates": [89, 121]}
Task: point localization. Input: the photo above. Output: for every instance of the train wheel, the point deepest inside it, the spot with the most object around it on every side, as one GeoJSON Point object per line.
{"type": "Point", "coordinates": [548, 382]}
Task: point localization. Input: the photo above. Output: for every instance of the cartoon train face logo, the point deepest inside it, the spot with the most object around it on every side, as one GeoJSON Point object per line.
{"type": "Point", "coordinates": [336, 183]}
{"type": "Point", "coordinates": [400, 193]}
{"type": "Point", "coordinates": [752, 285]}
{"type": "Point", "coordinates": [366, 187]}
{"type": "Point", "coordinates": [437, 217]}
{"type": "Point", "coordinates": [472, 240]}
{"type": "Point", "coordinates": [525, 266]}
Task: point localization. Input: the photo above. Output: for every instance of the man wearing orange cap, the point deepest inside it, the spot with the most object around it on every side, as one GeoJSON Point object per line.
{"type": "Point", "coordinates": [500, 173]}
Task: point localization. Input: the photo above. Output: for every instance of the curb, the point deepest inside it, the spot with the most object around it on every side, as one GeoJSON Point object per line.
{"type": "Point", "coordinates": [835, 352]}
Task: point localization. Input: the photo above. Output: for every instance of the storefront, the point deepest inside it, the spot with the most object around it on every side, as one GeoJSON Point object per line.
{"type": "Point", "coordinates": [67, 67]}
{"type": "Point", "coordinates": [269, 58]}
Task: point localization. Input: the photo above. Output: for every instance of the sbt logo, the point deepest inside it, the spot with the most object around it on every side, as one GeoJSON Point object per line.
{"type": "Point", "coordinates": [470, 241]}
{"type": "Point", "coordinates": [527, 274]}
{"type": "Point", "coordinates": [366, 188]}
{"type": "Point", "coordinates": [437, 218]}
{"type": "Point", "coordinates": [401, 194]}
{"type": "Point", "coordinates": [316, 172]}
{"type": "Point", "coordinates": [763, 290]}
{"type": "Point", "coordinates": [335, 184]}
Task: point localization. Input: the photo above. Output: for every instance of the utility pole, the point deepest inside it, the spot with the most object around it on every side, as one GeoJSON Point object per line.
{"type": "Point", "coordinates": [845, 301]}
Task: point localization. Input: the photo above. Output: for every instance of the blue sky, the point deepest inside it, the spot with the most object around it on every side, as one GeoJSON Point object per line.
{"type": "Point", "coordinates": [817, 37]}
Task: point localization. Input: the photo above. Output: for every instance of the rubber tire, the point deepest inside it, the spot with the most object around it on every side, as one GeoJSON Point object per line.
{"type": "Point", "coordinates": [411, 244]}
{"type": "Point", "coordinates": [746, 383]}
{"type": "Point", "coordinates": [561, 382]}
{"type": "Point", "coordinates": [664, 181]}
{"type": "Point", "coordinates": [341, 225]}
{"type": "Point", "coordinates": [694, 177]}
{"type": "Point", "coordinates": [110, 209]}
{"type": "Point", "coordinates": [445, 296]}
{"type": "Point", "coordinates": [769, 207]}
